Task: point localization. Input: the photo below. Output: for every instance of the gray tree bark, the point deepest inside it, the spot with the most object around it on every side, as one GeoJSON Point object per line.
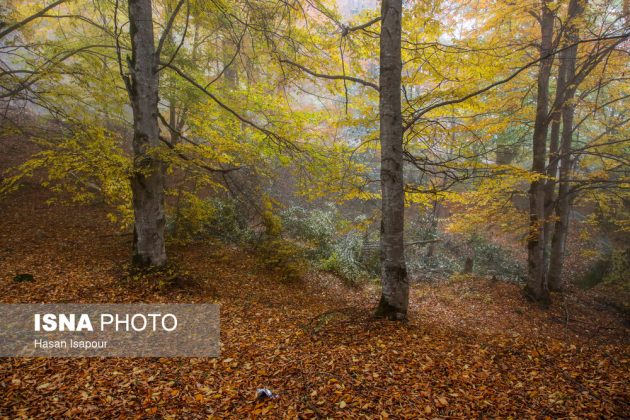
{"type": "Point", "coordinates": [147, 182]}
{"type": "Point", "coordinates": [395, 285]}
{"type": "Point", "coordinates": [536, 287]}
{"type": "Point", "coordinates": [554, 159]}
{"type": "Point", "coordinates": [563, 206]}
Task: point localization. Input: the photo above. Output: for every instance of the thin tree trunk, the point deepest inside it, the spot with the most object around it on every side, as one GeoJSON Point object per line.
{"type": "Point", "coordinates": [554, 159]}
{"type": "Point", "coordinates": [172, 122]}
{"type": "Point", "coordinates": [433, 227]}
{"type": "Point", "coordinates": [563, 207]}
{"type": "Point", "coordinates": [147, 182]}
{"type": "Point", "coordinates": [395, 285]}
{"type": "Point", "coordinates": [229, 63]}
{"type": "Point", "coordinates": [536, 287]}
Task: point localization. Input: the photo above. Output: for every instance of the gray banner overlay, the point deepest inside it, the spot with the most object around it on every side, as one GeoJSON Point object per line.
{"type": "Point", "coordinates": [109, 330]}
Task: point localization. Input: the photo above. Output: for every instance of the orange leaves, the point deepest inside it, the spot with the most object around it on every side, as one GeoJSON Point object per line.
{"type": "Point", "coordinates": [441, 402]}
{"type": "Point", "coordinates": [451, 360]}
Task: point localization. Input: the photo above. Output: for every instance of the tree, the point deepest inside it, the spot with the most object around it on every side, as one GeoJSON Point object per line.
{"type": "Point", "coordinates": [147, 181]}
{"type": "Point", "coordinates": [536, 287]}
{"type": "Point", "coordinates": [566, 89]}
{"type": "Point", "coordinates": [395, 284]}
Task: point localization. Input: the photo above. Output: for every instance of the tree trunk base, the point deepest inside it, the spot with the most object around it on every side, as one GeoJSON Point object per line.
{"type": "Point", "coordinates": [386, 311]}
{"type": "Point", "coordinates": [542, 298]}
{"type": "Point", "coordinates": [144, 262]}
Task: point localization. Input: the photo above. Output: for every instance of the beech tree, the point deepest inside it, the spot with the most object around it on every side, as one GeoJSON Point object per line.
{"type": "Point", "coordinates": [147, 181]}
{"type": "Point", "coordinates": [548, 233]}
{"type": "Point", "coordinates": [565, 92]}
{"type": "Point", "coordinates": [536, 280]}
{"type": "Point", "coordinates": [395, 284]}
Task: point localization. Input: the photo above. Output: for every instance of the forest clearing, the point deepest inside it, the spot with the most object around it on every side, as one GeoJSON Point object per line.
{"type": "Point", "coordinates": [314, 209]}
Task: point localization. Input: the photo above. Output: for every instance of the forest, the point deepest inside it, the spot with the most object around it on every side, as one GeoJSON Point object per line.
{"type": "Point", "coordinates": [403, 209]}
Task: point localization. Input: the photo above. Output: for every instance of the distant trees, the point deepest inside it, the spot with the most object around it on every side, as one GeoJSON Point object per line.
{"type": "Point", "coordinates": [552, 191]}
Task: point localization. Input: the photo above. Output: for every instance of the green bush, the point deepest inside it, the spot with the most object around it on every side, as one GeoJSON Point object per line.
{"type": "Point", "coordinates": [613, 269]}
{"type": "Point", "coordinates": [619, 272]}
{"type": "Point", "coordinates": [330, 242]}
{"type": "Point", "coordinates": [345, 258]}
{"type": "Point", "coordinates": [317, 227]}
{"type": "Point", "coordinates": [196, 218]}
{"type": "Point", "coordinates": [490, 258]}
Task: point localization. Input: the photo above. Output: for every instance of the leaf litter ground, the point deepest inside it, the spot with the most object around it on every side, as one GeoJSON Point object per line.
{"type": "Point", "coordinates": [473, 347]}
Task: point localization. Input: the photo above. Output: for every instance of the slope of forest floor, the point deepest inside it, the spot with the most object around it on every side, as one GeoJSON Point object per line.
{"type": "Point", "coordinates": [472, 347]}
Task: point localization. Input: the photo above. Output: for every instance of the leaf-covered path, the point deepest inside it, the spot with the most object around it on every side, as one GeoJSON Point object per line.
{"type": "Point", "coordinates": [472, 348]}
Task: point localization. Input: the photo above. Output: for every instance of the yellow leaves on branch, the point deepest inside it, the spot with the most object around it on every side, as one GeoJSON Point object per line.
{"type": "Point", "coordinates": [88, 164]}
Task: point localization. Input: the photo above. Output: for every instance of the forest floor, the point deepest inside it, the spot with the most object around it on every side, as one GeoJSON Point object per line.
{"type": "Point", "coordinates": [472, 348]}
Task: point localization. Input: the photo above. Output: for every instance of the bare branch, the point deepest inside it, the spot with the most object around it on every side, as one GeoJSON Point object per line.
{"type": "Point", "coordinates": [332, 77]}
{"type": "Point", "coordinates": [345, 30]}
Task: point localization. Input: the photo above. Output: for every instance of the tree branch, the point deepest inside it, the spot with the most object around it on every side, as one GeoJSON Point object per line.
{"type": "Point", "coordinates": [194, 162]}
{"type": "Point", "coordinates": [278, 140]}
{"type": "Point", "coordinates": [345, 30]}
{"type": "Point", "coordinates": [167, 29]}
{"type": "Point", "coordinates": [18, 25]}
{"type": "Point", "coordinates": [332, 77]}
{"type": "Point", "coordinates": [420, 113]}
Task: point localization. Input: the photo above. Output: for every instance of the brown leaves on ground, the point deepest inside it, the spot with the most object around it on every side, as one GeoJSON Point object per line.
{"type": "Point", "coordinates": [473, 347]}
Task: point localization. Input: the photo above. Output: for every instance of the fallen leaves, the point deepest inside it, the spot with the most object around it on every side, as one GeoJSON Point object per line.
{"type": "Point", "coordinates": [450, 360]}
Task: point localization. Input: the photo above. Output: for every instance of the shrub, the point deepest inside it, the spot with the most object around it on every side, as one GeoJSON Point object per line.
{"type": "Point", "coordinates": [197, 218]}
{"type": "Point", "coordinates": [491, 258]}
{"type": "Point", "coordinates": [330, 242]}
{"type": "Point", "coordinates": [345, 258]}
{"type": "Point", "coordinates": [613, 269]}
{"type": "Point", "coordinates": [317, 227]}
{"type": "Point", "coordinates": [284, 258]}
{"type": "Point", "coordinates": [619, 272]}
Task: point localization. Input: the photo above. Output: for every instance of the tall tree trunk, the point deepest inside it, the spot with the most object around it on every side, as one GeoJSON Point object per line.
{"type": "Point", "coordinates": [563, 206]}
{"type": "Point", "coordinates": [395, 285]}
{"type": "Point", "coordinates": [554, 159]}
{"type": "Point", "coordinates": [147, 182]}
{"type": "Point", "coordinates": [536, 287]}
